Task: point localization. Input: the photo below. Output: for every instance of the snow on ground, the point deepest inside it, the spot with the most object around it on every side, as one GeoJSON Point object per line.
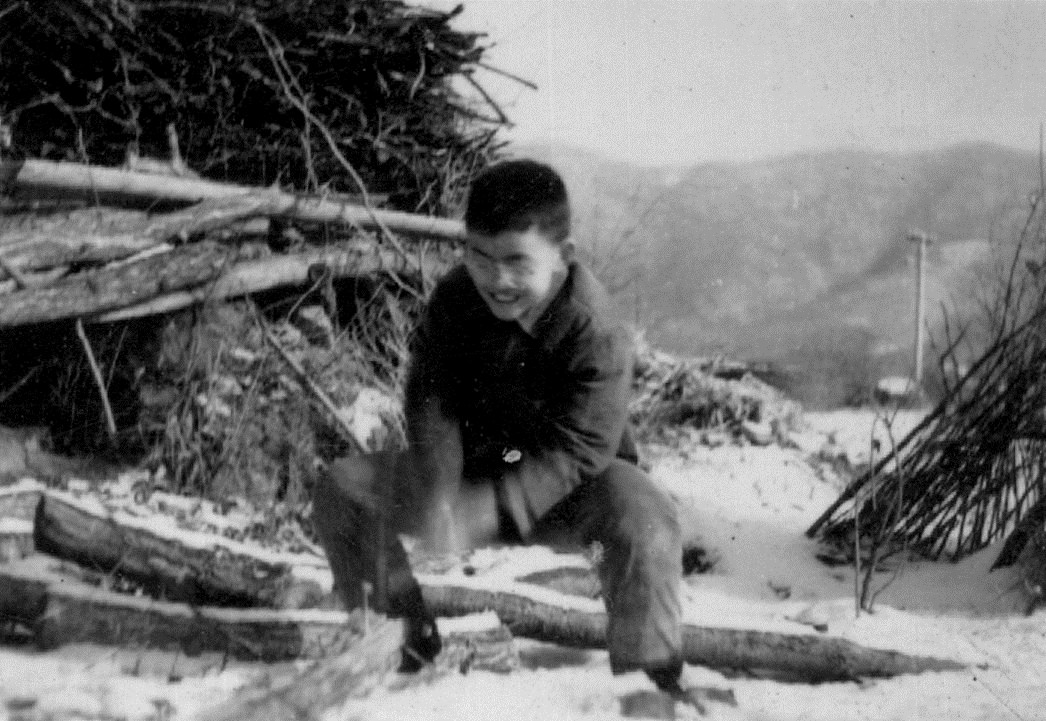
{"type": "Point", "coordinates": [749, 507]}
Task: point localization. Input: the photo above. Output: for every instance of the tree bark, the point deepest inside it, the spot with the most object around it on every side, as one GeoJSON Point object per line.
{"type": "Point", "coordinates": [101, 235]}
{"type": "Point", "coordinates": [803, 657]}
{"type": "Point", "coordinates": [180, 278]}
{"type": "Point", "coordinates": [307, 694]}
{"type": "Point", "coordinates": [97, 291]}
{"type": "Point", "coordinates": [253, 276]}
{"type": "Point", "coordinates": [98, 184]}
{"type": "Point", "coordinates": [197, 568]}
{"type": "Point", "coordinates": [808, 658]}
{"type": "Point", "coordinates": [61, 609]}
{"type": "Point", "coordinates": [63, 604]}
{"type": "Point", "coordinates": [327, 684]}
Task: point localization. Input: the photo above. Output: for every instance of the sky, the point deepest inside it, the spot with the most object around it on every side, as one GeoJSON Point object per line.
{"type": "Point", "coordinates": [681, 81]}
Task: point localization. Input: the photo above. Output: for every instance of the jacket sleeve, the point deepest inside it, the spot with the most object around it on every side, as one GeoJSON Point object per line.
{"type": "Point", "coordinates": [582, 426]}
{"type": "Point", "coordinates": [588, 416]}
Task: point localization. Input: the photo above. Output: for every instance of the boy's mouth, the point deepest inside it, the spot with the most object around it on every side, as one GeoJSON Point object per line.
{"type": "Point", "coordinates": [504, 298]}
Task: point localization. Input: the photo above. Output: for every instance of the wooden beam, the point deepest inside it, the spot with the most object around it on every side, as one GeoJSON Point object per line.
{"type": "Point", "coordinates": [100, 183]}
{"type": "Point", "coordinates": [62, 603]}
{"type": "Point", "coordinates": [806, 657]}
{"type": "Point", "coordinates": [254, 276]}
{"type": "Point", "coordinates": [100, 235]}
{"type": "Point", "coordinates": [803, 657]}
{"type": "Point", "coordinates": [109, 288]}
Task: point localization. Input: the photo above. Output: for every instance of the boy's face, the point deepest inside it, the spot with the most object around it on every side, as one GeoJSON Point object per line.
{"type": "Point", "coordinates": [516, 272]}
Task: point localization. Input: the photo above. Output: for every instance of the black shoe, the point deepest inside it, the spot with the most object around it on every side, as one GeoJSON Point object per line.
{"type": "Point", "coordinates": [422, 645]}
{"type": "Point", "coordinates": [666, 678]}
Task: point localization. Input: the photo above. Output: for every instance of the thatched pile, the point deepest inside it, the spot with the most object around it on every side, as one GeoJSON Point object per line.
{"type": "Point", "coordinates": [223, 329]}
{"type": "Point", "coordinates": [228, 349]}
{"type": "Point", "coordinates": [679, 400]}
{"type": "Point", "coordinates": [974, 471]}
{"type": "Point", "coordinates": [346, 95]}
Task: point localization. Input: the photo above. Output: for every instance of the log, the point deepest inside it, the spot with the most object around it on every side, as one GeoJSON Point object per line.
{"type": "Point", "coordinates": [325, 685]}
{"type": "Point", "coordinates": [254, 276]}
{"type": "Point", "coordinates": [308, 694]}
{"type": "Point", "coordinates": [808, 658]}
{"type": "Point", "coordinates": [199, 568]}
{"type": "Point", "coordinates": [16, 539]}
{"type": "Point", "coordinates": [99, 184]}
{"type": "Point", "coordinates": [64, 604]}
{"type": "Point", "coordinates": [33, 280]}
{"type": "Point", "coordinates": [102, 235]}
{"type": "Point", "coordinates": [61, 610]}
{"type": "Point", "coordinates": [109, 288]}
{"type": "Point", "coordinates": [20, 500]}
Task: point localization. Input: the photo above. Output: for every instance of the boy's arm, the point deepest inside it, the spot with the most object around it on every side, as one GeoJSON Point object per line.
{"type": "Point", "coordinates": [433, 430]}
{"type": "Point", "coordinates": [588, 418]}
{"type": "Point", "coordinates": [582, 428]}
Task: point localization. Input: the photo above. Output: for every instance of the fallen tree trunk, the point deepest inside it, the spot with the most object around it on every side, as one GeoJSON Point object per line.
{"type": "Point", "coordinates": [61, 609]}
{"type": "Point", "coordinates": [109, 288]}
{"type": "Point", "coordinates": [325, 685]}
{"type": "Point", "coordinates": [253, 276]}
{"type": "Point", "coordinates": [180, 278]}
{"type": "Point", "coordinates": [308, 694]}
{"type": "Point", "coordinates": [101, 235]}
{"type": "Point", "coordinates": [199, 568]}
{"type": "Point", "coordinates": [61, 605]}
{"type": "Point", "coordinates": [99, 183]}
{"type": "Point", "coordinates": [798, 656]}
{"type": "Point", "coordinates": [808, 658]}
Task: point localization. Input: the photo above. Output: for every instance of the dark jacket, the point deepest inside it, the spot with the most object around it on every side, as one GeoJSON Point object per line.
{"type": "Point", "coordinates": [537, 413]}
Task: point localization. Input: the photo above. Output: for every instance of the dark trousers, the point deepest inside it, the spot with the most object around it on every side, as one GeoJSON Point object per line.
{"type": "Point", "coordinates": [633, 520]}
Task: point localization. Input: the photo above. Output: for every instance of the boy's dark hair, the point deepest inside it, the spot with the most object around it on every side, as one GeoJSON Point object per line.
{"type": "Point", "coordinates": [518, 195]}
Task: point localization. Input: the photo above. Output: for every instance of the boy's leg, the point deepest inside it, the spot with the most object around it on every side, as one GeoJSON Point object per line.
{"type": "Point", "coordinates": [641, 569]}
{"type": "Point", "coordinates": [347, 511]}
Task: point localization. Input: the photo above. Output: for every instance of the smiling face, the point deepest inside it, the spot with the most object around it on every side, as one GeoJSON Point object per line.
{"type": "Point", "coordinates": [517, 273]}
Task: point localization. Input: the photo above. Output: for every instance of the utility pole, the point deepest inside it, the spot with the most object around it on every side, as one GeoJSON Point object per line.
{"type": "Point", "coordinates": [920, 299]}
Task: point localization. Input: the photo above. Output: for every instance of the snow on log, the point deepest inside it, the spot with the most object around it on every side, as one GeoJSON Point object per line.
{"type": "Point", "coordinates": [99, 183]}
{"type": "Point", "coordinates": [61, 605]}
{"type": "Point", "coordinates": [62, 609]}
{"type": "Point", "coordinates": [69, 531]}
{"type": "Point", "coordinates": [16, 539]}
{"type": "Point", "coordinates": [180, 566]}
{"type": "Point", "coordinates": [796, 656]}
{"type": "Point", "coordinates": [325, 685]}
{"type": "Point", "coordinates": [291, 694]}
{"type": "Point", "coordinates": [19, 500]}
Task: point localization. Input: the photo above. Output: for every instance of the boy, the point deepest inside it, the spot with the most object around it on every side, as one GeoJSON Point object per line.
{"type": "Point", "coordinates": [516, 407]}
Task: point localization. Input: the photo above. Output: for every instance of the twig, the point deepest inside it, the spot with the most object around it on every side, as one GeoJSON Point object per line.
{"type": "Point", "coordinates": [8, 392]}
{"type": "Point", "coordinates": [16, 275]}
{"type": "Point", "coordinates": [506, 74]}
{"type": "Point", "coordinates": [97, 373]}
{"type": "Point", "coordinates": [490, 101]}
{"type": "Point", "coordinates": [296, 96]}
{"type": "Point", "coordinates": [315, 389]}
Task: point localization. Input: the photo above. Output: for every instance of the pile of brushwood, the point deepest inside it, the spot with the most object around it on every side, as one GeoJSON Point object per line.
{"type": "Point", "coordinates": [218, 222]}
{"type": "Point", "coordinates": [350, 96]}
{"type": "Point", "coordinates": [973, 472]}
{"type": "Point", "coordinates": [710, 401]}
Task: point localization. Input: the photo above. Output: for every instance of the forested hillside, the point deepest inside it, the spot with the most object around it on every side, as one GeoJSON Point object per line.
{"type": "Point", "coordinates": [787, 258]}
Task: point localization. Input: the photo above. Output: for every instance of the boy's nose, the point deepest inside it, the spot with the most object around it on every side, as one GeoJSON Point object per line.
{"type": "Point", "coordinates": [501, 277]}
